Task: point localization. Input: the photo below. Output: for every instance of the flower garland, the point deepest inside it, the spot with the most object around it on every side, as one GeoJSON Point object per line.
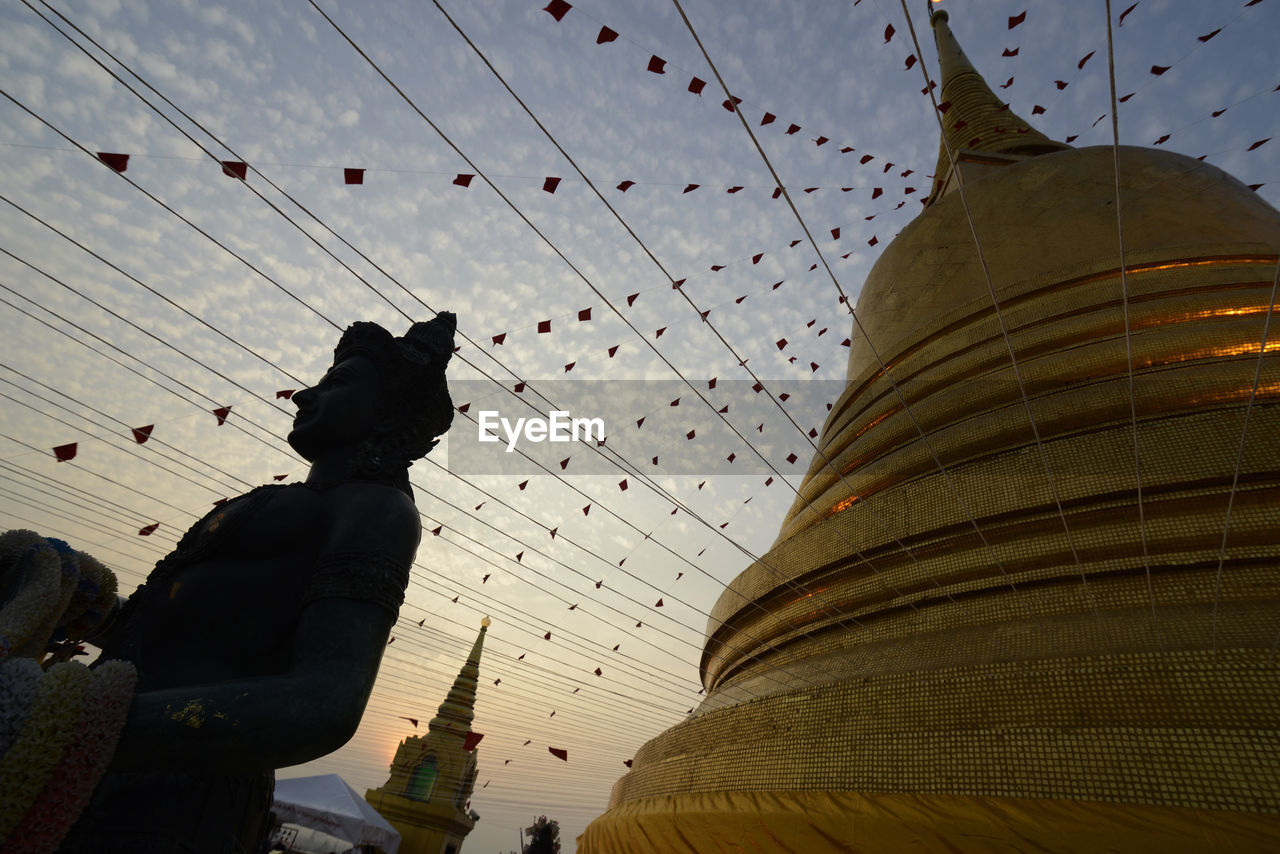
{"type": "Point", "coordinates": [29, 762]}
{"type": "Point", "coordinates": [70, 785]}
{"type": "Point", "coordinates": [69, 563]}
{"type": "Point", "coordinates": [18, 680]}
{"type": "Point", "coordinates": [94, 599]}
{"type": "Point", "coordinates": [29, 563]}
{"type": "Point", "coordinates": [58, 728]}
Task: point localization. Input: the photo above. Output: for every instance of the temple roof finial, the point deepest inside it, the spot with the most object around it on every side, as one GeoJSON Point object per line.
{"type": "Point", "coordinates": [973, 116]}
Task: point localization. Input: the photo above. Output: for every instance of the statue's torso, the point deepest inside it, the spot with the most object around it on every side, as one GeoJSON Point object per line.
{"type": "Point", "coordinates": [226, 603]}
{"type": "Point", "coordinates": [223, 606]}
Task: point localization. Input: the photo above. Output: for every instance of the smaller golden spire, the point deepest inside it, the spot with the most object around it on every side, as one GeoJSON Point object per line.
{"type": "Point", "coordinates": [973, 117]}
{"type": "Point", "coordinates": [458, 709]}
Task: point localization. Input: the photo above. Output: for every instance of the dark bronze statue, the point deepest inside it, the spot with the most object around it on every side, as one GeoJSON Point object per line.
{"type": "Point", "coordinates": [257, 640]}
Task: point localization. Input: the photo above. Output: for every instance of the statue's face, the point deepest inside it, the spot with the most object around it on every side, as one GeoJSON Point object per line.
{"type": "Point", "coordinates": [338, 412]}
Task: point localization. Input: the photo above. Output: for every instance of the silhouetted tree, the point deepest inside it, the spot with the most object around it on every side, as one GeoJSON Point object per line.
{"type": "Point", "coordinates": [544, 837]}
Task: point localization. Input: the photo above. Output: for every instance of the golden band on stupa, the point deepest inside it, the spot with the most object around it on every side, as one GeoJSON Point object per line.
{"type": "Point", "coordinates": [1027, 598]}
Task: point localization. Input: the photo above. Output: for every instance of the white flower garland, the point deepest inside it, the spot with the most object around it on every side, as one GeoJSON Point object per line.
{"type": "Point", "coordinates": [34, 567]}
{"type": "Point", "coordinates": [69, 564]}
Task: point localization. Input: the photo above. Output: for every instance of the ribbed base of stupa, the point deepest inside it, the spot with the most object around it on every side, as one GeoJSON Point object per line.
{"type": "Point", "coordinates": [875, 823]}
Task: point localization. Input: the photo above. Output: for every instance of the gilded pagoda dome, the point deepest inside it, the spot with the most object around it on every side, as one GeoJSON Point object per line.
{"type": "Point", "coordinates": [1030, 586]}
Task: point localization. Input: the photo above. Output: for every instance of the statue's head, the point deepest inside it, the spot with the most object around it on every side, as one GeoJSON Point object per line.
{"type": "Point", "coordinates": [384, 400]}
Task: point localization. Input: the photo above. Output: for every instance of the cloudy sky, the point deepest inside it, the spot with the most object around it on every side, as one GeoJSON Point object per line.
{"type": "Point", "coordinates": [157, 299]}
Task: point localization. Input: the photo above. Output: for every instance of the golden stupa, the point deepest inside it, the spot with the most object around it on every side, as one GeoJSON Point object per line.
{"type": "Point", "coordinates": [1008, 611]}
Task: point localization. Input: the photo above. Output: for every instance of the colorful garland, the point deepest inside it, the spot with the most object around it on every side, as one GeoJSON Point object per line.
{"type": "Point", "coordinates": [58, 727]}
{"type": "Point", "coordinates": [29, 763]}
{"type": "Point", "coordinates": [70, 784]}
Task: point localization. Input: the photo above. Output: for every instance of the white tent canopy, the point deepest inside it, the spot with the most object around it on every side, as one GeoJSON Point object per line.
{"type": "Point", "coordinates": [326, 803]}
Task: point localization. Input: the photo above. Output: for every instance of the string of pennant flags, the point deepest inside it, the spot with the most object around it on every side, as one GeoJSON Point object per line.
{"type": "Point", "coordinates": [558, 9]}
{"type": "Point", "coordinates": [119, 161]}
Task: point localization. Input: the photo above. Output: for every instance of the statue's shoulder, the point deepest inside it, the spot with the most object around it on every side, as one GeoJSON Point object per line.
{"type": "Point", "coordinates": [361, 513]}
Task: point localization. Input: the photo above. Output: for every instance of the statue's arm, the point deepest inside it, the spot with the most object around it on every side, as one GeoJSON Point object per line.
{"type": "Point", "coordinates": [307, 712]}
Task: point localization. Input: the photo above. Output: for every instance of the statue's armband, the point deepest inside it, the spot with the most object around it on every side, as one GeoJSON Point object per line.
{"type": "Point", "coordinates": [363, 576]}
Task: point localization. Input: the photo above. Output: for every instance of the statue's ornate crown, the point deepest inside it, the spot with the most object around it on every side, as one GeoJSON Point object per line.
{"type": "Point", "coordinates": [412, 372]}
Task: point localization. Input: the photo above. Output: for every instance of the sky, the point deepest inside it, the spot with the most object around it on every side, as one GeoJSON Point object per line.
{"type": "Point", "coordinates": [158, 299]}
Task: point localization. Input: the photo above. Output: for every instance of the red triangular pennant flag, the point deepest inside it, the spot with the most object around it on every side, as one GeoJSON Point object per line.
{"type": "Point", "coordinates": [118, 162]}
{"type": "Point", "coordinates": [626, 185]}
{"type": "Point", "coordinates": [657, 64]}
{"type": "Point", "coordinates": [63, 453]}
{"type": "Point", "coordinates": [235, 169]}
{"type": "Point", "coordinates": [584, 314]}
{"type": "Point", "coordinates": [613, 350]}
{"type": "Point", "coordinates": [606, 35]}
{"type": "Point", "coordinates": [631, 300]}
{"type": "Point", "coordinates": [1014, 20]}
{"type": "Point", "coordinates": [558, 9]}
{"type": "Point", "coordinates": [499, 338]}
{"type": "Point", "coordinates": [353, 176]}
{"type": "Point", "coordinates": [222, 412]}
{"type": "Point", "coordinates": [558, 753]}
{"type": "Point", "coordinates": [544, 326]}
{"type": "Point", "coordinates": [285, 394]}
{"type": "Point", "coordinates": [148, 530]}
{"type": "Point", "coordinates": [142, 434]}
{"type": "Point", "coordinates": [549, 185]}
{"type": "Point", "coordinates": [696, 85]}
{"type": "Point", "coordinates": [470, 740]}
{"type": "Point", "coordinates": [463, 179]}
